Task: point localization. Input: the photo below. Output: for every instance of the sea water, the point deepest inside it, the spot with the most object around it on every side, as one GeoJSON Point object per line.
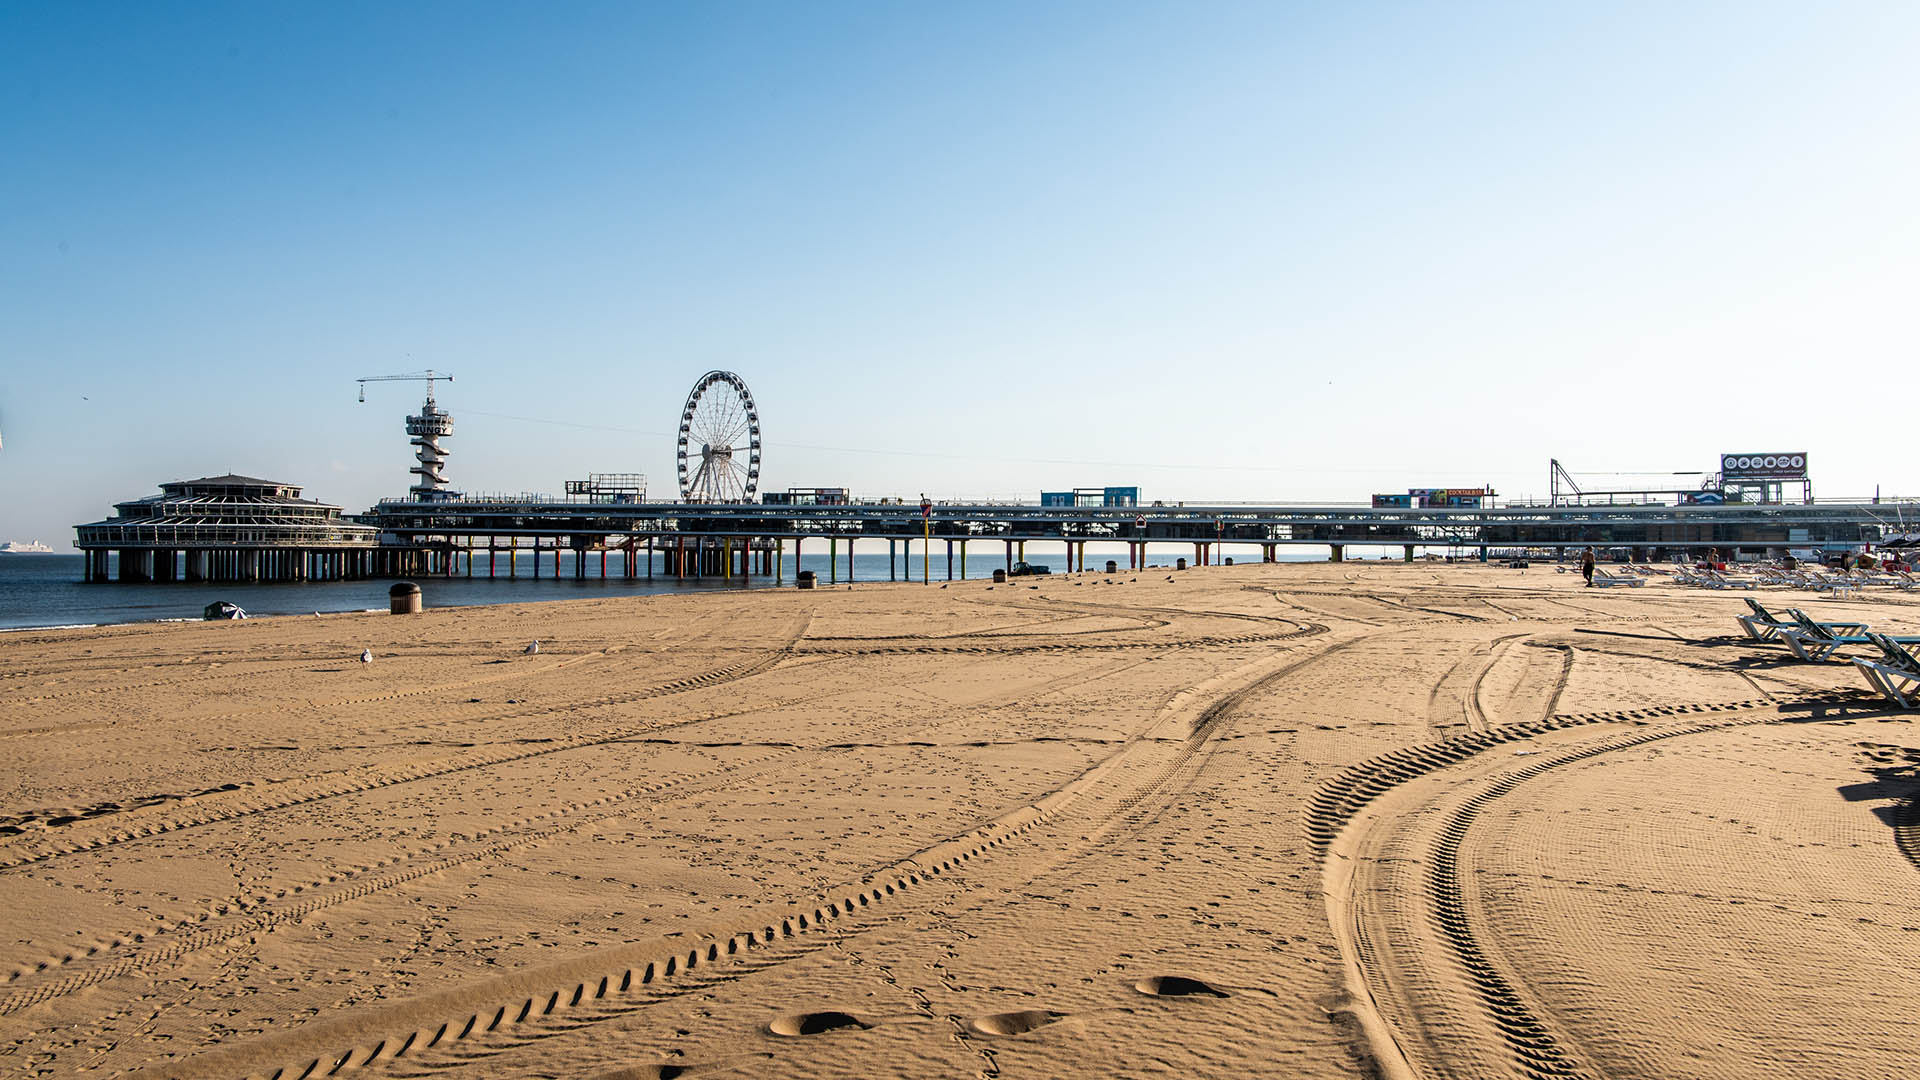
{"type": "Point", "coordinates": [46, 590]}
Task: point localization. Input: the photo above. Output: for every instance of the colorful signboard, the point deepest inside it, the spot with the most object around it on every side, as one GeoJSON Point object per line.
{"type": "Point", "coordinates": [1737, 467]}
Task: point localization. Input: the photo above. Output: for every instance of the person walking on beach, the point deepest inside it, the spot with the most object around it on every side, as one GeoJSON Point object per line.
{"type": "Point", "coordinates": [1586, 566]}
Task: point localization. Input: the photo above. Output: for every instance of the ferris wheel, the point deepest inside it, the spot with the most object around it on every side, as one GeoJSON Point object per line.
{"type": "Point", "coordinates": [719, 450]}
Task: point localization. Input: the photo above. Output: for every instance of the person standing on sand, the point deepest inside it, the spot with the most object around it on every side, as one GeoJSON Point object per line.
{"type": "Point", "coordinates": [1586, 566]}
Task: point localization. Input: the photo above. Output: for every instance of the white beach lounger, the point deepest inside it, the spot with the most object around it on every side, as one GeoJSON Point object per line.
{"type": "Point", "coordinates": [1764, 625]}
{"type": "Point", "coordinates": [1896, 675]}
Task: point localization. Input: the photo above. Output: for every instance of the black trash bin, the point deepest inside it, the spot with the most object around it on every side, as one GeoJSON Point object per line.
{"type": "Point", "coordinates": [803, 579]}
{"type": "Point", "coordinates": [404, 598]}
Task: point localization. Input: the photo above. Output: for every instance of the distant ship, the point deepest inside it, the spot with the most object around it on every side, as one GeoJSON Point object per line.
{"type": "Point", "coordinates": [27, 547]}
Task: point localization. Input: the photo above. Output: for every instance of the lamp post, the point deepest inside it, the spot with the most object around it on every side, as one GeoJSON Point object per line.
{"type": "Point", "coordinates": [926, 544]}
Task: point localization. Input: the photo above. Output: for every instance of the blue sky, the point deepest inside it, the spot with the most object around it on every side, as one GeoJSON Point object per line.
{"type": "Point", "coordinates": [1221, 251]}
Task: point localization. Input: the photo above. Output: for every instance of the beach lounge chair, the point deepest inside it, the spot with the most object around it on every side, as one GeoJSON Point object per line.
{"type": "Point", "coordinates": [1604, 580]}
{"type": "Point", "coordinates": [1764, 625]}
{"type": "Point", "coordinates": [1722, 581]}
{"type": "Point", "coordinates": [1686, 575]}
{"type": "Point", "coordinates": [1896, 674]}
{"type": "Point", "coordinates": [1836, 584]}
{"type": "Point", "coordinates": [1811, 641]}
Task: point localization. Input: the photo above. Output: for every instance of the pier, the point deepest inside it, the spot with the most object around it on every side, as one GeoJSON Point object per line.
{"type": "Point", "coordinates": [743, 540]}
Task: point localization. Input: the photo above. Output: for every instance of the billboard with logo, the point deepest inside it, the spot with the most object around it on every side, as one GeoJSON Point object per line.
{"type": "Point", "coordinates": [1737, 467]}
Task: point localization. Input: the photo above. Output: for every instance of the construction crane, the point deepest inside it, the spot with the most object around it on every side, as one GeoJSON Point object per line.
{"type": "Point", "coordinates": [426, 429]}
{"type": "Point", "coordinates": [428, 376]}
{"type": "Point", "coordinates": [1559, 476]}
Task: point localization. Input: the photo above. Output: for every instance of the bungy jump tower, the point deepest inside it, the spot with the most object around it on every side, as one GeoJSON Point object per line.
{"type": "Point", "coordinates": [427, 429]}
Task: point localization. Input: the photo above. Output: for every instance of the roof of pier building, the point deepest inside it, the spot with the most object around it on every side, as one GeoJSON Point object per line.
{"type": "Point", "coordinates": [232, 485]}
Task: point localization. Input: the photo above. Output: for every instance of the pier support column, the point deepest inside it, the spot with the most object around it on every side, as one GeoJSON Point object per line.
{"type": "Point", "coordinates": [963, 560]}
{"type": "Point", "coordinates": [1409, 554]}
{"type": "Point", "coordinates": [1009, 556]}
{"type": "Point", "coordinates": [892, 566]}
{"type": "Point", "coordinates": [833, 560]}
{"type": "Point", "coordinates": [949, 560]}
{"type": "Point", "coordinates": [1339, 553]}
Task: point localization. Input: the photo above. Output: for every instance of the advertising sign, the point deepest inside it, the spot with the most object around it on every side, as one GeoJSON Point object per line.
{"type": "Point", "coordinates": [1790, 466]}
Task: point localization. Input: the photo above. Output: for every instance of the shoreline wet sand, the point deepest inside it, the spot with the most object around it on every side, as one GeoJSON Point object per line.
{"type": "Point", "coordinates": [1303, 820]}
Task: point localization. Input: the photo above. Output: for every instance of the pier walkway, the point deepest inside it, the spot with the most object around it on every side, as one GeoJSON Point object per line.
{"type": "Point", "coordinates": [729, 539]}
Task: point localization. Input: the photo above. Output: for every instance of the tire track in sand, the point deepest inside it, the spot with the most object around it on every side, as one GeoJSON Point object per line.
{"type": "Point", "coordinates": [227, 805]}
{"type": "Point", "coordinates": [528, 1007]}
{"type": "Point", "coordinates": [114, 955]}
{"type": "Point", "coordinates": [1534, 1049]}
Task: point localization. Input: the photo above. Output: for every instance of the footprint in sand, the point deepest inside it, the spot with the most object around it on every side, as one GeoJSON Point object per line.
{"type": "Point", "coordinates": [815, 1023]}
{"type": "Point", "coordinates": [1177, 986]}
{"type": "Point", "coordinates": [1014, 1023]}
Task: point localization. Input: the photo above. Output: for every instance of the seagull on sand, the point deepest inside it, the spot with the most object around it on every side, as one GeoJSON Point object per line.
{"type": "Point", "coordinates": [366, 656]}
{"type": "Point", "coordinates": [533, 648]}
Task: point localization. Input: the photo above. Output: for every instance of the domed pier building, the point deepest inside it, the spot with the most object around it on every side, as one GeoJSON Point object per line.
{"type": "Point", "coordinates": [228, 528]}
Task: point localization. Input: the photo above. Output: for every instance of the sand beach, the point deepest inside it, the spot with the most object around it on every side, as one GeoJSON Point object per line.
{"type": "Point", "coordinates": [1301, 820]}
